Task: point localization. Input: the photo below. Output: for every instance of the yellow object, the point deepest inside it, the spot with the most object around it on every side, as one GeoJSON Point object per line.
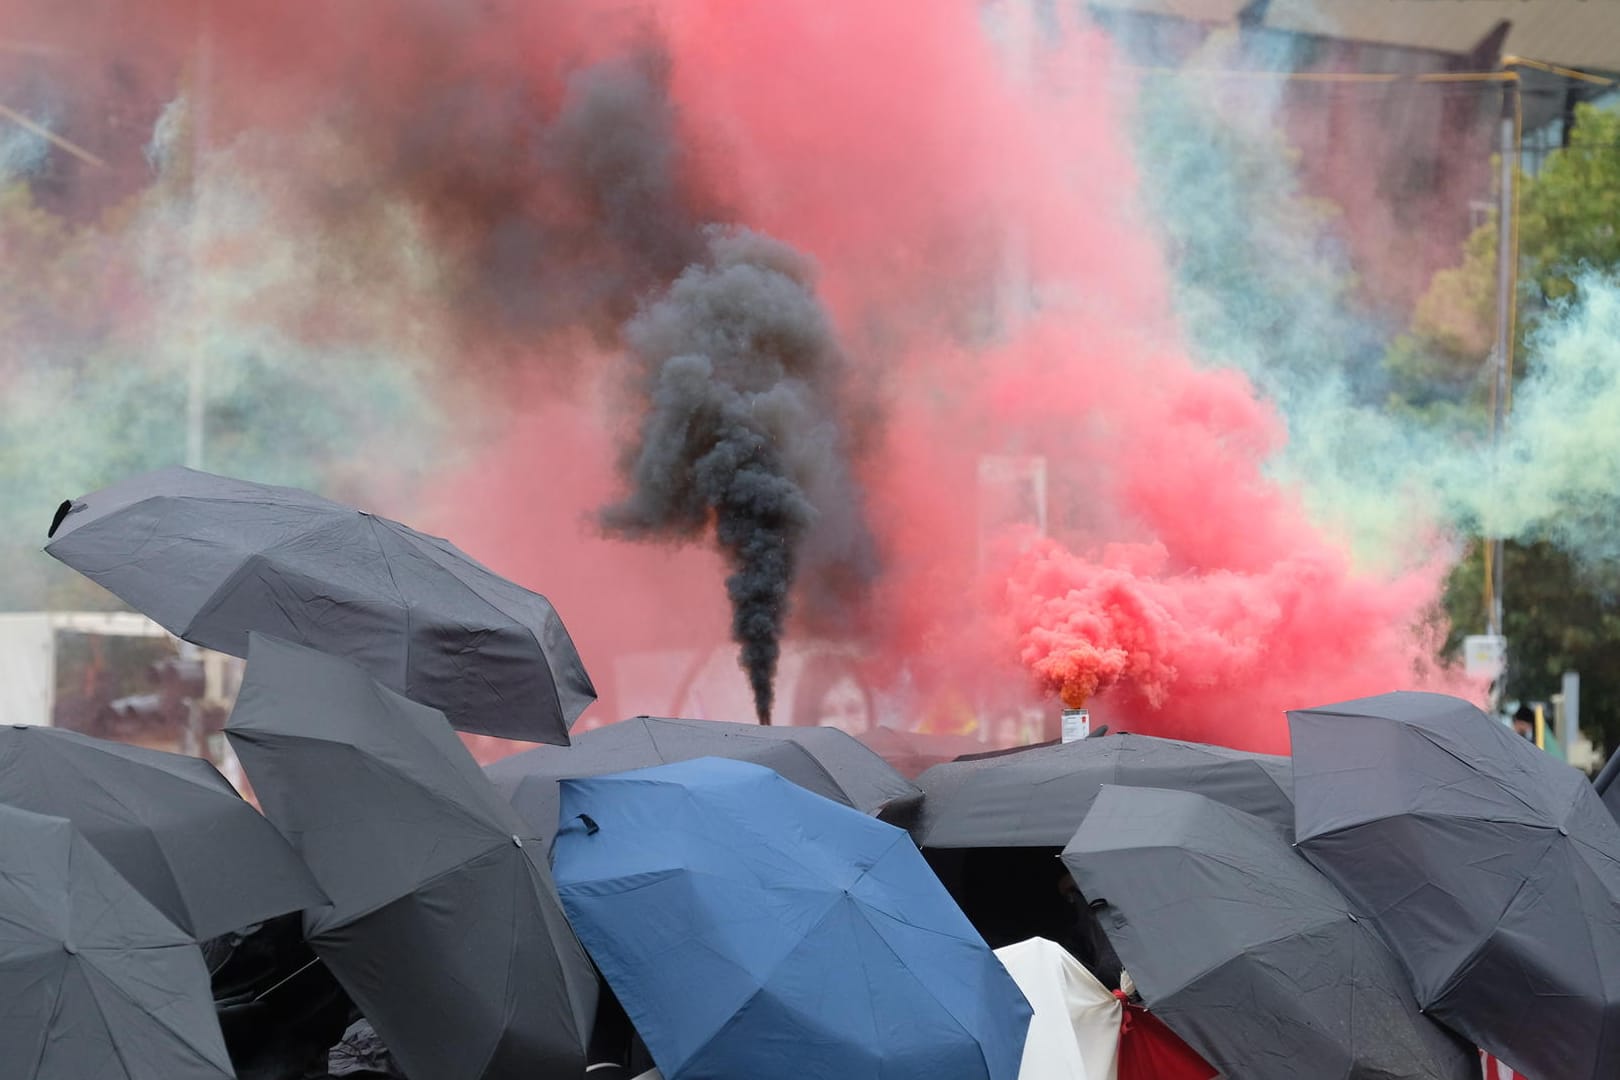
{"type": "Point", "coordinates": [1541, 727]}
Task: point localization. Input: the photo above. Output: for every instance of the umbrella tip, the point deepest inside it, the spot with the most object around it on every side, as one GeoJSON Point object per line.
{"type": "Point", "coordinates": [591, 827]}
{"type": "Point", "coordinates": [68, 507]}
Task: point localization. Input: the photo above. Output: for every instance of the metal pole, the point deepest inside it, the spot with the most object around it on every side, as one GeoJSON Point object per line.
{"type": "Point", "coordinates": [1013, 284]}
{"type": "Point", "coordinates": [196, 371]}
{"type": "Point", "coordinates": [1501, 387]}
{"type": "Point", "coordinates": [1569, 718]}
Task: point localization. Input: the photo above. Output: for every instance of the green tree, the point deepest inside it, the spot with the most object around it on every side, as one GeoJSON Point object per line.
{"type": "Point", "coordinates": [1562, 613]}
{"type": "Point", "coordinates": [1556, 619]}
{"type": "Point", "coordinates": [1569, 221]}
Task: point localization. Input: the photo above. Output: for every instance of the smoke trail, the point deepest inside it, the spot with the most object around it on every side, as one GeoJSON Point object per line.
{"type": "Point", "coordinates": [1173, 534]}
{"type": "Point", "coordinates": [1559, 465]}
{"type": "Point", "coordinates": [1263, 286]}
{"type": "Point", "coordinates": [438, 214]}
{"type": "Point", "coordinates": [21, 152]}
{"type": "Point", "coordinates": [741, 375]}
{"type": "Point", "coordinates": [457, 208]}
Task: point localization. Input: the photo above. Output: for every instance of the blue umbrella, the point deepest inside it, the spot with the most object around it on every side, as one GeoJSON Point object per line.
{"type": "Point", "coordinates": [752, 928]}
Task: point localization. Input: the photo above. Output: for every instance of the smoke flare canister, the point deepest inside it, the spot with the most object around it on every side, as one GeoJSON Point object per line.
{"type": "Point", "coordinates": [1076, 724]}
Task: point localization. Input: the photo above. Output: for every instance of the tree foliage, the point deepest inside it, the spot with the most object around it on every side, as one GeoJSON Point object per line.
{"type": "Point", "coordinates": [1561, 613]}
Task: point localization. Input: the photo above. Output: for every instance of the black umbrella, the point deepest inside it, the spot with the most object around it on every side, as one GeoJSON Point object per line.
{"type": "Point", "coordinates": [170, 824]}
{"type": "Point", "coordinates": [1604, 784]}
{"type": "Point", "coordinates": [824, 760]}
{"type": "Point", "coordinates": [445, 927]}
{"type": "Point", "coordinates": [1492, 869]}
{"type": "Point", "coordinates": [1036, 797]}
{"type": "Point", "coordinates": [94, 981]}
{"type": "Point", "coordinates": [212, 558]}
{"type": "Point", "coordinates": [1249, 953]}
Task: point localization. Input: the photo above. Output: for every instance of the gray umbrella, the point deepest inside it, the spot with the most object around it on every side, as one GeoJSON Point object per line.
{"type": "Point", "coordinates": [1245, 950]}
{"type": "Point", "coordinates": [170, 824]}
{"type": "Point", "coordinates": [212, 558]}
{"type": "Point", "coordinates": [823, 760]}
{"type": "Point", "coordinates": [1605, 786]}
{"type": "Point", "coordinates": [1492, 869]}
{"type": "Point", "coordinates": [445, 927]}
{"type": "Point", "coordinates": [1038, 796]}
{"type": "Point", "coordinates": [95, 984]}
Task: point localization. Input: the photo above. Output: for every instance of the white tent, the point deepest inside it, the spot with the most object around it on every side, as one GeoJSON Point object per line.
{"type": "Point", "coordinates": [1075, 1032]}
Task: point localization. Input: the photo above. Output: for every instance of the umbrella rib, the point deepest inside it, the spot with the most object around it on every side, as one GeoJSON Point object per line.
{"type": "Point", "coordinates": [1468, 961]}
{"type": "Point", "coordinates": [460, 809]}
{"type": "Point", "coordinates": [225, 582]}
{"type": "Point", "coordinates": [942, 1006]}
{"type": "Point", "coordinates": [405, 604]}
{"type": "Point", "coordinates": [178, 1036]}
{"type": "Point", "coordinates": [451, 567]}
{"type": "Point", "coordinates": [96, 1000]}
{"type": "Point", "coordinates": [765, 979]}
{"type": "Point", "coordinates": [1506, 789]}
{"type": "Point", "coordinates": [231, 504]}
{"type": "Point", "coordinates": [1252, 946]}
{"type": "Point", "coordinates": [1420, 815]}
{"type": "Point", "coordinates": [56, 1012]}
{"type": "Point", "coordinates": [416, 887]}
{"type": "Point", "coordinates": [506, 995]}
{"type": "Point", "coordinates": [167, 868]}
{"type": "Point", "coordinates": [455, 568]}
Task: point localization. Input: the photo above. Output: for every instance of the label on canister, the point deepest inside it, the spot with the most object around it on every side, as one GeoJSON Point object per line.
{"type": "Point", "coordinates": [1076, 724]}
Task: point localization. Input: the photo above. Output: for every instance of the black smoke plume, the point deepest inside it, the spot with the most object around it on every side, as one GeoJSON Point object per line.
{"type": "Point", "coordinates": [741, 381]}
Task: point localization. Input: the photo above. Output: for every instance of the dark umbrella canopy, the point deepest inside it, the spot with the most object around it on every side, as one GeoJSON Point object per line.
{"type": "Point", "coordinates": [823, 760]}
{"type": "Point", "coordinates": [95, 984]}
{"type": "Point", "coordinates": [212, 558]}
{"type": "Point", "coordinates": [1243, 948]}
{"type": "Point", "coordinates": [1038, 796]}
{"type": "Point", "coordinates": [170, 824]}
{"type": "Point", "coordinates": [1492, 869]}
{"type": "Point", "coordinates": [445, 927]}
{"type": "Point", "coordinates": [1606, 787]}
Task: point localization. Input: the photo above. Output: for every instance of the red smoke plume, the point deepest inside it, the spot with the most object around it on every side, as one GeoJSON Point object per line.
{"type": "Point", "coordinates": [1178, 586]}
{"type": "Point", "coordinates": [1178, 575]}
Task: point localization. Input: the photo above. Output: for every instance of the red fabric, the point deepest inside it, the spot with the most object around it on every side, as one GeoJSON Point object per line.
{"type": "Point", "coordinates": [1148, 1050]}
{"type": "Point", "coordinates": [1498, 1070]}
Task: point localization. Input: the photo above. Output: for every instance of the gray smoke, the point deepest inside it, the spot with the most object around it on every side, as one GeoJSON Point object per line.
{"type": "Point", "coordinates": [614, 144]}
{"type": "Point", "coordinates": [741, 379]}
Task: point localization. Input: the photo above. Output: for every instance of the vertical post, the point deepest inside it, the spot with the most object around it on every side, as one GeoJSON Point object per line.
{"type": "Point", "coordinates": [1502, 351]}
{"type": "Point", "coordinates": [1017, 30]}
{"type": "Point", "coordinates": [196, 372]}
{"type": "Point", "coordinates": [1569, 716]}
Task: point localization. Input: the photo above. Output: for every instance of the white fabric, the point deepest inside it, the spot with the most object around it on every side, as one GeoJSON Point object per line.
{"type": "Point", "coordinates": [27, 668]}
{"type": "Point", "coordinates": [1075, 1032]}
